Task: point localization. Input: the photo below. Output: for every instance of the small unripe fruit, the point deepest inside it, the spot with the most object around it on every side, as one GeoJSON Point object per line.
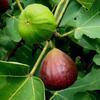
{"type": "Point", "coordinates": [58, 70]}
{"type": "Point", "coordinates": [3, 5]}
{"type": "Point", "coordinates": [36, 23]}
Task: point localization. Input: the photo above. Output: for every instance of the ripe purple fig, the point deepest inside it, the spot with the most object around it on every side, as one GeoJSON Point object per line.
{"type": "Point", "coordinates": [58, 70]}
{"type": "Point", "coordinates": [3, 5]}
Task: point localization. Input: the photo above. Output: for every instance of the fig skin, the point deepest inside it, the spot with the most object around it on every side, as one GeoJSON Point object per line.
{"type": "Point", "coordinates": [36, 24]}
{"type": "Point", "coordinates": [58, 70]}
{"type": "Point", "coordinates": [3, 5]}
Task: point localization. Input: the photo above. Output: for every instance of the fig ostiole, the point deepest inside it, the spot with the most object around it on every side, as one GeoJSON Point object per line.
{"type": "Point", "coordinates": [36, 23]}
{"type": "Point", "coordinates": [58, 70]}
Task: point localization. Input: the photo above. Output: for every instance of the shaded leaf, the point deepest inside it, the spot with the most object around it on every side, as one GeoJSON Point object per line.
{"type": "Point", "coordinates": [23, 55]}
{"type": "Point", "coordinates": [88, 43]}
{"type": "Point", "coordinates": [86, 3]}
{"type": "Point", "coordinates": [27, 2]}
{"type": "Point", "coordinates": [84, 96]}
{"type": "Point", "coordinates": [54, 2]}
{"type": "Point", "coordinates": [6, 42]}
{"type": "Point", "coordinates": [12, 29]}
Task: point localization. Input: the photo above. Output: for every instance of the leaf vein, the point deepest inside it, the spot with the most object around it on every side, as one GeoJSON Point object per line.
{"type": "Point", "coordinates": [90, 18]}
{"type": "Point", "coordinates": [18, 89]}
{"type": "Point", "coordinates": [33, 90]}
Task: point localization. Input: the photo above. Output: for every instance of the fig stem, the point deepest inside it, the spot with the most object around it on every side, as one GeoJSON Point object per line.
{"type": "Point", "coordinates": [39, 59]}
{"type": "Point", "coordinates": [63, 35]}
{"type": "Point", "coordinates": [19, 5]}
{"type": "Point", "coordinates": [60, 9]}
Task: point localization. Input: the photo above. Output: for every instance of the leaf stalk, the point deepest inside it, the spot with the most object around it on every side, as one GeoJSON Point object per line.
{"type": "Point", "coordinates": [39, 59]}
{"type": "Point", "coordinates": [61, 8]}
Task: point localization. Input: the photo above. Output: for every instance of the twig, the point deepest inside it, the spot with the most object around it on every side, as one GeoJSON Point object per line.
{"type": "Point", "coordinates": [63, 35]}
{"type": "Point", "coordinates": [60, 10]}
{"type": "Point", "coordinates": [39, 59]}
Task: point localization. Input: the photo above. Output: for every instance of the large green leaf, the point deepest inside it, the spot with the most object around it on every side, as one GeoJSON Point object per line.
{"type": "Point", "coordinates": [90, 82]}
{"type": "Point", "coordinates": [70, 14]}
{"type": "Point", "coordinates": [83, 21]}
{"type": "Point", "coordinates": [16, 84]}
{"type": "Point", "coordinates": [86, 3]}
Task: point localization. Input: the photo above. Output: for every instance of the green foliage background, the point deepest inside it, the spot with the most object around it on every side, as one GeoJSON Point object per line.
{"type": "Point", "coordinates": [83, 45]}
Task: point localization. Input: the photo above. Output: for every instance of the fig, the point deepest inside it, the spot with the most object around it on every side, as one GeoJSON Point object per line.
{"type": "Point", "coordinates": [58, 70]}
{"type": "Point", "coordinates": [3, 5]}
{"type": "Point", "coordinates": [36, 23]}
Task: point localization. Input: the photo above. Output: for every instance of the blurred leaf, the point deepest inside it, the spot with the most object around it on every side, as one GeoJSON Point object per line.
{"type": "Point", "coordinates": [17, 85]}
{"type": "Point", "coordinates": [86, 3]}
{"type": "Point", "coordinates": [23, 55]}
{"type": "Point", "coordinates": [88, 83]}
{"type": "Point", "coordinates": [12, 29]}
{"type": "Point", "coordinates": [84, 96]}
{"type": "Point", "coordinates": [91, 44]}
{"type": "Point", "coordinates": [96, 59]}
{"type": "Point", "coordinates": [6, 44]}
{"type": "Point", "coordinates": [44, 2]}
{"type": "Point", "coordinates": [2, 52]}
{"type": "Point", "coordinates": [27, 2]}
{"type": "Point", "coordinates": [54, 2]}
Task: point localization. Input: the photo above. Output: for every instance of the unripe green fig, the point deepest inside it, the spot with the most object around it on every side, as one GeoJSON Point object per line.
{"type": "Point", "coordinates": [3, 5]}
{"type": "Point", "coordinates": [58, 70]}
{"type": "Point", "coordinates": [36, 23]}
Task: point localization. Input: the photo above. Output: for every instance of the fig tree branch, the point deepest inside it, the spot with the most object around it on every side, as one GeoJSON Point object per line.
{"type": "Point", "coordinates": [19, 5]}
{"type": "Point", "coordinates": [63, 35]}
